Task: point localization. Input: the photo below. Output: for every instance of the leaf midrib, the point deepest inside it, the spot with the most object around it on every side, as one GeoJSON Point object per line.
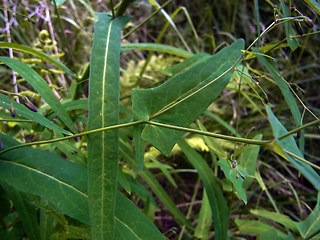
{"type": "Point", "coordinates": [103, 124]}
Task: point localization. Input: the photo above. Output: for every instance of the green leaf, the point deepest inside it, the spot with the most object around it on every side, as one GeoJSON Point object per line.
{"type": "Point", "coordinates": [27, 211]}
{"type": "Point", "coordinates": [27, 113]}
{"type": "Point", "coordinates": [286, 92]}
{"type": "Point", "coordinates": [47, 175]}
{"type": "Point", "coordinates": [290, 145]}
{"type": "Point", "coordinates": [292, 42]}
{"type": "Point", "coordinates": [260, 229]}
{"type": "Point", "coordinates": [217, 202]}
{"type": "Point", "coordinates": [150, 179]}
{"type": "Point", "coordinates": [235, 176]}
{"type": "Point", "coordinates": [139, 146]}
{"type": "Point", "coordinates": [202, 230]}
{"type": "Point", "coordinates": [212, 143]}
{"type": "Point", "coordinates": [314, 4]}
{"type": "Point", "coordinates": [283, 85]}
{"type": "Point", "coordinates": [181, 99]}
{"type": "Point", "coordinates": [157, 48]}
{"type": "Point", "coordinates": [103, 112]}
{"type": "Point", "coordinates": [310, 227]}
{"type": "Point", "coordinates": [64, 184]}
{"type": "Point", "coordinates": [277, 217]}
{"type": "Point", "coordinates": [39, 54]}
{"type": "Point", "coordinates": [248, 160]}
{"type": "Point", "coordinates": [42, 87]}
{"type": "Point", "coordinates": [189, 62]}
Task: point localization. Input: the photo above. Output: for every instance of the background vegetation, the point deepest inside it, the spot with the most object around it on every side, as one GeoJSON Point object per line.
{"type": "Point", "coordinates": [259, 190]}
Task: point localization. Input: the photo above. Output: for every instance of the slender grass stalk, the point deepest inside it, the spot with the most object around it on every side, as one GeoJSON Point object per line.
{"type": "Point", "coordinates": [147, 19]}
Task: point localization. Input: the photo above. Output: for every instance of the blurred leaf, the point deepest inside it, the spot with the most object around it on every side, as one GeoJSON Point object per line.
{"type": "Point", "coordinates": [27, 113]}
{"type": "Point", "coordinates": [202, 230]}
{"type": "Point", "coordinates": [290, 145]}
{"type": "Point", "coordinates": [103, 112]}
{"type": "Point", "coordinates": [314, 4]}
{"type": "Point", "coordinates": [233, 175]}
{"type": "Point", "coordinates": [277, 217]}
{"type": "Point", "coordinates": [157, 48]}
{"type": "Point", "coordinates": [292, 42]}
{"type": "Point", "coordinates": [261, 230]}
{"type": "Point", "coordinates": [42, 87]}
{"type": "Point", "coordinates": [27, 212]}
{"type": "Point", "coordinates": [217, 201]}
{"type": "Point", "coordinates": [310, 227]}
{"type": "Point", "coordinates": [181, 99]}
{"type": "Point", "coordinates": [39, 54]}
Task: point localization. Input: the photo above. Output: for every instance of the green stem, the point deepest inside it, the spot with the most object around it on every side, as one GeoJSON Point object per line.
{"type": "Point", "coordinates": [215, 135]}
{"type": "Point", "coordinates": [315, 122]}
{"type": "Point", "coordinates": [147, 19]}
{"type": "Point", "coordinates": [123, 6]}
{"type": "Point", "coordinates": [301, 159]}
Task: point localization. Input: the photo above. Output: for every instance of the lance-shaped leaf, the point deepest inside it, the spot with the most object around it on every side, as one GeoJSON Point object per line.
{"type": "Point", "coordinates": [181, 99]}
{"type": "Point", "coordinates": [42, 87]}
{"type": "Point", "coordinates": [288, 145]}
{"type": "Point", "coordinates": [64, 185]}
{"type": "Point", "coordinates": [103, 112]}
{"type": "Point", "coordinates": [27, 113]}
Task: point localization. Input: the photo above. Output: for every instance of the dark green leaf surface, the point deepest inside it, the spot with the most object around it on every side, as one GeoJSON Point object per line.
{"type": "Point", "coordinates": [65, 185]}
{"type": "Point", "coordinates": [310, 227]}
{"type": "Point", "coordinates": [181, 99]}
{"type": "Point", "coordinates": [248, 160]}
{"type": "Point", "coordinates": [39, 54]}
{"type": "Point", "coordinates": [150, 179]}
{"type": "Point", "coordinates": [189, 62]}
{"type": "Point", "coordinates": [47, 175]}
{"type": "Point", "coordinates": [27, 113]}
{"type": "Point", "coordinates": [27, 212]}
{"type": "Point", "coordinates": [42, 87]}
{"type": "Point", "coordinates": [217, 202]}
{"type": "Point", "coordinates": [290, 145]}
{"type": "Point", "coordinates": [262, 230]}
{"type": "Point", "coordinates": [103, 112]}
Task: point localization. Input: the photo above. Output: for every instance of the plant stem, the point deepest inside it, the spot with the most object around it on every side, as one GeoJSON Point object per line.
{"type": "Point", "coordinates": [123, 6]}
{"type": "Point", "coordinates": [315, 122]}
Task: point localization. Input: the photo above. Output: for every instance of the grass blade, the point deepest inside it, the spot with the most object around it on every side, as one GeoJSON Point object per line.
{"type": "Point", "coordinates": [157, 48]}
{"type": "Point", "coordinates": [103, 112]}
{"type": "Point", "coordinates": [42, 87]}
{"type": "Point", "coordinates": [217, 201]}
{"type": "Point", "coordinates": [27, 212]}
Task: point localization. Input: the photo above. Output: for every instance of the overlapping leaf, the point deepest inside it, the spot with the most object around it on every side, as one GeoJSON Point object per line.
{"type": "Point", "coordinates": [181, 99]}
{"type": "Point", "coordinates": [290, 145]}
{"type": "Point", "coordinates": [41, 87]}
{"type": "Point", "coordinates": [64, 185]}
